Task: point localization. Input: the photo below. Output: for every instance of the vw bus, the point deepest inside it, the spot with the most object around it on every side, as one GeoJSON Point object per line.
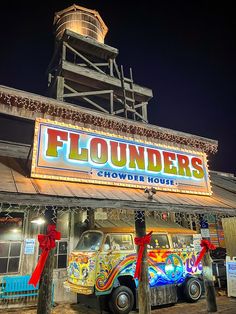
{"type": "Point", "coordinates": [104, 260]}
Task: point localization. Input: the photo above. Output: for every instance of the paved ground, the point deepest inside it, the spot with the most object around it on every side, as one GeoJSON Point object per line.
{"type": "Point", "coordinates": [225, 305]}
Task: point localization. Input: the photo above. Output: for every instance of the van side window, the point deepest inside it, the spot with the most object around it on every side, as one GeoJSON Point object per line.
{"type": "Point", "coordinates": [118, 242]}
{"type": "Point", "coordinates": [182, 241]}
{"type": "Point", "coordinates": [159, 241]}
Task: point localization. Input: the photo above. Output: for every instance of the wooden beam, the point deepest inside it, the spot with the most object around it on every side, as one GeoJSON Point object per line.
{"type": "Point", "coordinates": [76, 73]}
{"type": "Point", "coordinates": [84, 58]}
{"type": "Point", "coordinates": [141, 117]}
{"type": "Point", "coordinates": [71, 89]}
{"type": "Point", "coordinates": [130, 100]}
{"type": "Point", "coordinates": [112, 103]}
{"type": "Point", "coordinates": [11, 149]}
{"type": "Point", "coordinates": [60, 88]}
{"type": "Point", "coordinates": [132, 91]}
{"type": "Point", "coordinates": [119, 111]}
{"type": "Point", "coordinates": [95, 63]}
{"type": "Point", "coordinates": [118, 99]}
{"type": "Point", "coordinates": [93, 93]}
{"type": "Point", "coordinates": [144, 113]}
{"type": "Point", "coordinates": [111, 67]}
{"type": "Point", "coordinates": [124, 92]}
{"type": "Point", "coordinates": [87, 99]}
{"type": "Point", "coordinates": [116, 68]}
{"type": "Point", "coordinates": [63, 51]}
{"type": "Point", "coordinates": [142, 104]}
{"type": "Point", "coordinates": [89, 46]}
{"type": "Point", "coordinates": [95, 104]}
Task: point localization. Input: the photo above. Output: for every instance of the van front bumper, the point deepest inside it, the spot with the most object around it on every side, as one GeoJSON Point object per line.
{"type": "Point", "coordinates": [70, 287]}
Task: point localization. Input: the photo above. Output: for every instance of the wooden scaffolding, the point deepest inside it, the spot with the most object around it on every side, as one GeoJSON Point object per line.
{"type": "Point", "coordinates": [84, 72]}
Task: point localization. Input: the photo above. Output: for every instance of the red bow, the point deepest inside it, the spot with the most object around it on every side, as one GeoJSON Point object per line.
{"type": "Point", "coordinates": [206, 246]}
{"type": "Point", "coordinates": [141, 243]}
{"type": "Point", "coordinates": [46, 243]}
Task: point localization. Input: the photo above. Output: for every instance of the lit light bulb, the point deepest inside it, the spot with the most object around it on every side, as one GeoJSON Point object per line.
{"type": "Point", "coordinates": [15, 230]}
{"type": "Point", "coordinates": [38, 221]}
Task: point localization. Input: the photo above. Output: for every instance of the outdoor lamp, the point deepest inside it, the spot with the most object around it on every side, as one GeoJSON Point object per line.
{"type": "Point", "coordinates": [16, 230]}
{"type": "Point", "coordinates": [38, 220]}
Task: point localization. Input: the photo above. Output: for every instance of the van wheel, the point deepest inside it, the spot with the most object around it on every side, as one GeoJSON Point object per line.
{"type": "Point", "coordinates": [192, 290]}
{"type": "Point", "coordinates": [122, 300]}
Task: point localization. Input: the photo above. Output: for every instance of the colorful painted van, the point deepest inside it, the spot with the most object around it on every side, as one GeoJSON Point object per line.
{"type": "Point", "coordinates": [103, 263]}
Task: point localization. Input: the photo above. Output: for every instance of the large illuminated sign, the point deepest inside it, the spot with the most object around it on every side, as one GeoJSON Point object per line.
{"type": "Point", "coordinates": [72, 153]}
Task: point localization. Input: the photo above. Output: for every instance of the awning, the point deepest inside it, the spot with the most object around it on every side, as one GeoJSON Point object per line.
{"type": "Point", "coordinates": [17, 188]}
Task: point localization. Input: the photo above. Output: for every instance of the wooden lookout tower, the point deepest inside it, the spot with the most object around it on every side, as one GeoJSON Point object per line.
{"type": "Point", "coordinates": [83, 70]}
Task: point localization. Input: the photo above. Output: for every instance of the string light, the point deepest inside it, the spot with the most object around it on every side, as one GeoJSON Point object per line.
{"type": "Point", "coordinates": [77, 115]}
{"type": "Point", "coordinates": [125, 215]}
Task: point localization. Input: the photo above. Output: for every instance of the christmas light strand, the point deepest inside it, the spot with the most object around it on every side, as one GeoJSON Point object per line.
{"type": "Point", "coordinates": [181, 218]}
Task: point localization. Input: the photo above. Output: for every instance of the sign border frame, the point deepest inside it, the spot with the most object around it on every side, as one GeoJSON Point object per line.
{"type": "Point", "coordinates": [34, 173]}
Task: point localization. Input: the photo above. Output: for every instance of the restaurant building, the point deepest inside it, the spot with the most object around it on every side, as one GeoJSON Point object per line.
{"type": "Point", "coordinates": [91, 156]}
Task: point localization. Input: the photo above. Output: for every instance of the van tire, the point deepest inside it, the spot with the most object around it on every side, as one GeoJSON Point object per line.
{"type": "Point", "coordinates": [122, 300]}
{"type": "Point", "coordinates": [192, 290]}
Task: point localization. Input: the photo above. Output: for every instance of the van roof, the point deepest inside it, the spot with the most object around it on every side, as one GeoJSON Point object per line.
{"type": "Point", "coordinates": [152, 225]}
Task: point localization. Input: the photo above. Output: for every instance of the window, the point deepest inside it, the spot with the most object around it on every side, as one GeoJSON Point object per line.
{"type": "Point", "coordinates": [118, 242]}
{"type": "Point", "coordinates": [60, 256]}
{"type": "Point", "coordinates": [182, 241]}
{"type": "Point", "coordinates": [11, 226]}
{"type": "Point", "coordinates": [61, 250]}
{"type": "Point", "coordinates": [159, 241]}
{"type": "Point", "coordinates": [63, 225]}
{"type": "Point", "coordinates": [9, 257]}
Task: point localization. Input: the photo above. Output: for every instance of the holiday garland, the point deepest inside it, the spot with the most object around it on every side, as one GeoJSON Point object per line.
{"type": "Point", "coordinates": [70, 112]}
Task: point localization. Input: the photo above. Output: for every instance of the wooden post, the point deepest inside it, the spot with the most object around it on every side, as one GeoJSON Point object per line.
{"type": "Point", "coordinates": [207, 270]}
{"type": "Point", "coordinates": [60, 88]}
{"type": "Point", "coordinates": [111, 67]}
{"type": "Point", "coordinates": [144, 303]}
{"type": "Point", "coordinates": [209, 283]}
{"type": "Point", "coordinates": [46, 281]}
{"type": "Point", "coordinates": [91, 218]}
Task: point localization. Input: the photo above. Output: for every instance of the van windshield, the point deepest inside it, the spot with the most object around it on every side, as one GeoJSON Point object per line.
{"type": "Point", "coordinates": [182, 241]}
{"type": "Point", "coordinates": [89, 241]}
{"type": "Point", "coordinates": [159, 241]}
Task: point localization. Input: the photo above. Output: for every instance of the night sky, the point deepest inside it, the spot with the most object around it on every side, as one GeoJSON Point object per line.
{"type": "Point", "coordinates": [185, 51]}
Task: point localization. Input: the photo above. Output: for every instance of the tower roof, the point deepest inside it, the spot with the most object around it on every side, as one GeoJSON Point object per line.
{"type": "Point", "coordinates": [76, 7]}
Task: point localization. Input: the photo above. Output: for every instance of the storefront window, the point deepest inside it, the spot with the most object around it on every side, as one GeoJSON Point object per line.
{"type": "Point", "coordinates": [182, 241]}
{"type": "Point", "coordinates": [159, 241]}
{"type": "Point", "coordinates": [11, 228]}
